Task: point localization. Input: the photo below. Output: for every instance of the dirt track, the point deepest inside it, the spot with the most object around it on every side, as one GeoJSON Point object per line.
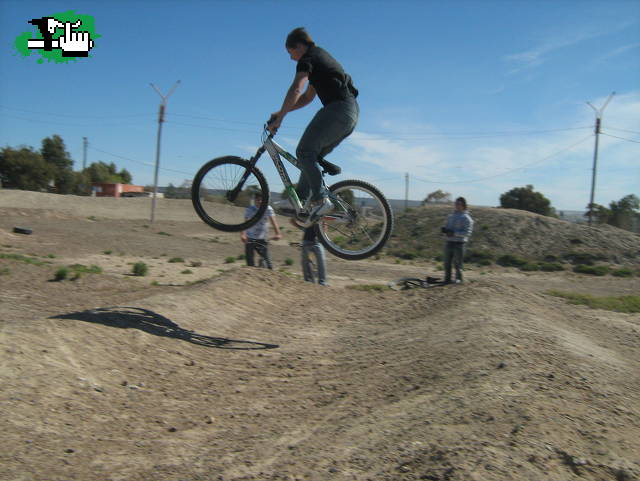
{"type": "Point", "coordinates": [255, 375]}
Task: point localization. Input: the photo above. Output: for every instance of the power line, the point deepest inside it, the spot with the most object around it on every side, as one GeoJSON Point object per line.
{"type": "Point", "coordinates": [148, 164]}
{"type": "Point", "coordinates": [405, 136]}
{"type": "Point", "coordinates": [209, 127]}
{"type": "Point", "coordinates": [624, 130]}
{"type": "Point", "coordinates": [621, 138]}
{"type": "Point", "coordinates": [66, 124]}
{"type": "Point", "coordinates": [525, 166]}
{"type": "Point", "coordinates": [76, 115]}
{"type": "Point", "coordinates": [471, 135]}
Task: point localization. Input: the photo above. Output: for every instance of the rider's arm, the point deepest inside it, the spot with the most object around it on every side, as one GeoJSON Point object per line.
{"type": "Point", "coordinates": [306, 98]}
{"type": "Point", "coordinates": [294, 94]}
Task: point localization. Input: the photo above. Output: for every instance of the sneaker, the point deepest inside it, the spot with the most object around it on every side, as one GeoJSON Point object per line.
{"type": "Point", "coordinates": [320, 209]}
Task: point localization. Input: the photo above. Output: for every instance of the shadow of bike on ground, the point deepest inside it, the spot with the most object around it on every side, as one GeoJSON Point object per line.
{"type": "Point", "coordinates": [153, 323]}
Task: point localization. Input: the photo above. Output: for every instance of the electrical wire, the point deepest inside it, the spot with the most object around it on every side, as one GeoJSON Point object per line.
{"type": "Point", "coordinates": [77, 115]}
{"type": "Point", "coordinates": [148, 164]}
{"type": "Point", "coordinates": [66, 124]}
{"type": "Point", "coordinates": [623, 130]}
{"type": "Point", "coordinates": [621, 138]}
{"type": "Point", "coordinates": [522, 167]}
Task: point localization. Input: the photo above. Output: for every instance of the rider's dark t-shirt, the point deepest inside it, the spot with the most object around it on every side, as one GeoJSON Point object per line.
{"type": "Point", "coordinates": [326, 75]}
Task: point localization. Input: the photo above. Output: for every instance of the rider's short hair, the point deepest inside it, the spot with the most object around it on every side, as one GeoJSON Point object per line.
{"type": "Point", "coordinates": [299, 36]}
{"type": "Point", "coordinates": [463, 201]}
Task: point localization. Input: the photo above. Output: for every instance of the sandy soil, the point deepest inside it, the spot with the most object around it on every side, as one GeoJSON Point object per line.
{"type": "Point", "coordinates": [252, 374]}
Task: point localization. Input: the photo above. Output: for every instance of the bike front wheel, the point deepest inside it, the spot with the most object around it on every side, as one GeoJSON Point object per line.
{"type": "Point", "coordinates": [361, 222]}
{"type": "Point", "coordinates": [223, 190]}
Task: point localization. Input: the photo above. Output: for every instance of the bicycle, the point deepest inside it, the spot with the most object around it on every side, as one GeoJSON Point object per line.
{"type": "Point", "coordinates": [358, 227]}
{"type": "Point", "coordinates": [405, 283]}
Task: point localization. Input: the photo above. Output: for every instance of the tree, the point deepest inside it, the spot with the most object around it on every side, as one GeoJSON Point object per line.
{"type": "Point", "coordinates": [600, 213]}
{"type": "Point", "coordinates": [438, 197]}
{"type": "Point", "coordinates": [55, 154]}
{"type": "Point", "coordinates": [525, 198]}
{"type": "Point", "coordinates": [103, 173]}
{"type": "Point", "coordinates": [25, 169]}
{"type": "Point", "coordinates": [623, 213]}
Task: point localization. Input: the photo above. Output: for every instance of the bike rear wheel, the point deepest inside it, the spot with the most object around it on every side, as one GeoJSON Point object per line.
{"type": "Point", "coordinates": [361, 222]}
{"type": "Point", "coordinates": [405, 283]}
{"type": "Point", "coordinates": [223, 189]}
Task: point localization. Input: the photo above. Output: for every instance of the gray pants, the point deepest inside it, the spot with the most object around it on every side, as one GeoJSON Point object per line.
{"type": "Point", "coordinates": [453, 252]}
{"type": "Point", "coordinates": [307, 267]}
{"type": "Point", "coordinates": [330, 126]}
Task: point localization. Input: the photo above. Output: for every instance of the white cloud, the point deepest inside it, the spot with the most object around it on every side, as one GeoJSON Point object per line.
{"type": "Point", "coordinates": [617, 51]}
{"type": "Point", "coordinates": [538, 54]}
{"type": "Point", "coordinates": [558, 163]}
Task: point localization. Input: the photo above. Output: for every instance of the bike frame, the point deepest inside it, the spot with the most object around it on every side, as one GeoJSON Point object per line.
{"type": "Point", "coordinates": [276, 152]}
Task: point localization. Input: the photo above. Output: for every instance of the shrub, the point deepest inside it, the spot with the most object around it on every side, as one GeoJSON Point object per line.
{"type": "Point", "coordinates": [509, 260]}
{"type": "Point", "coordinates": [624, 272]}
{"type": "Point", "coordinates": [82, 269]}
{"type": "Point", "coordinates": [628, 304]}
{"type": "Point", "coordinates": [108, 252]}
{"type": "Point", "coordinates": [26, 259]}
{"type": "Point", "coordinates": [438, 258]}
{"type": "Point", "coordinates": [176, 259]}
{"type": "Point", "coordinates": [230, 260]}
{"type": "Point", "coordinates": [288, 261]}
{"type": "Point", "coordinates": [482, 258]}
{"type": "Point", "coordinates": [584, 258]}
{"type": "Point", "coordinates": [140, 269]}
{"type": "Point", "coordinates": [163, 233]}
{"type": "Point", "coordinates": [4, 271]}
{"type": "Point", "coordinates": [529, 267]}
{"type": "Point", "coordinates": [551, 266]}
{"type": "Point", "coordinates": [61, 274]}
{"type": "Point", "coordinates": [575, 241]}
{"type": "Point", "coordinates": [187, 271]}
{"type": "Point", "coordinates": [240, 257]}
{"type": "Point", "coordinates": [196, 264]}
{"type": "Point", "coordinates": [592, 270]}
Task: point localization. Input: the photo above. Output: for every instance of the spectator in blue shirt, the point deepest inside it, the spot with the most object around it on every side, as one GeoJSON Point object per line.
{"type": "Point", "coordinates": [458, 230]}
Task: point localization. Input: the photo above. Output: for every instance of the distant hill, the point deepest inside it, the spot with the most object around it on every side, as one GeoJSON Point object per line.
{"type": "Point", "coordinates": [508, 231]}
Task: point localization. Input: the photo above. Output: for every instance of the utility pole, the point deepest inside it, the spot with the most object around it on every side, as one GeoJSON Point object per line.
{"type": "Point", "coordinates": [84, 152]}
{"type": "Point", "coordinates": [163, 104]}
{"type": "Point", "coordinates": [595, 151]}
{"type": "Point", "coordinates": [406, 191]}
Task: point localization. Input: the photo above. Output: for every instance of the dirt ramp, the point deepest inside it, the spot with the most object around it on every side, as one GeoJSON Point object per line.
{"type": "Point", "coordinates": [256, 376]}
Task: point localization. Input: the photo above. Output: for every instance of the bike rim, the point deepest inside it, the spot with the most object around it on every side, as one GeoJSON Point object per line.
{"type": "Point", "coordinates": [358, 225]}
{"type": "Point", "coordinates": [221, 202]}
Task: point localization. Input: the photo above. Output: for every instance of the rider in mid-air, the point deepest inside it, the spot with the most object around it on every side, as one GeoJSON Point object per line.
{"type": "Point", "coordinates": [335, 121]}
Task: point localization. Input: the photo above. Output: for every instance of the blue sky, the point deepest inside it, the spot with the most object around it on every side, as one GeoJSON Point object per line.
{"type": "Point", "coordinates": [472, 97]}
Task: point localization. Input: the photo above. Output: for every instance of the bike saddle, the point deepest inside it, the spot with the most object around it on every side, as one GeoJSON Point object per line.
{"type": "Point", "coordinates": [328, 167]}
